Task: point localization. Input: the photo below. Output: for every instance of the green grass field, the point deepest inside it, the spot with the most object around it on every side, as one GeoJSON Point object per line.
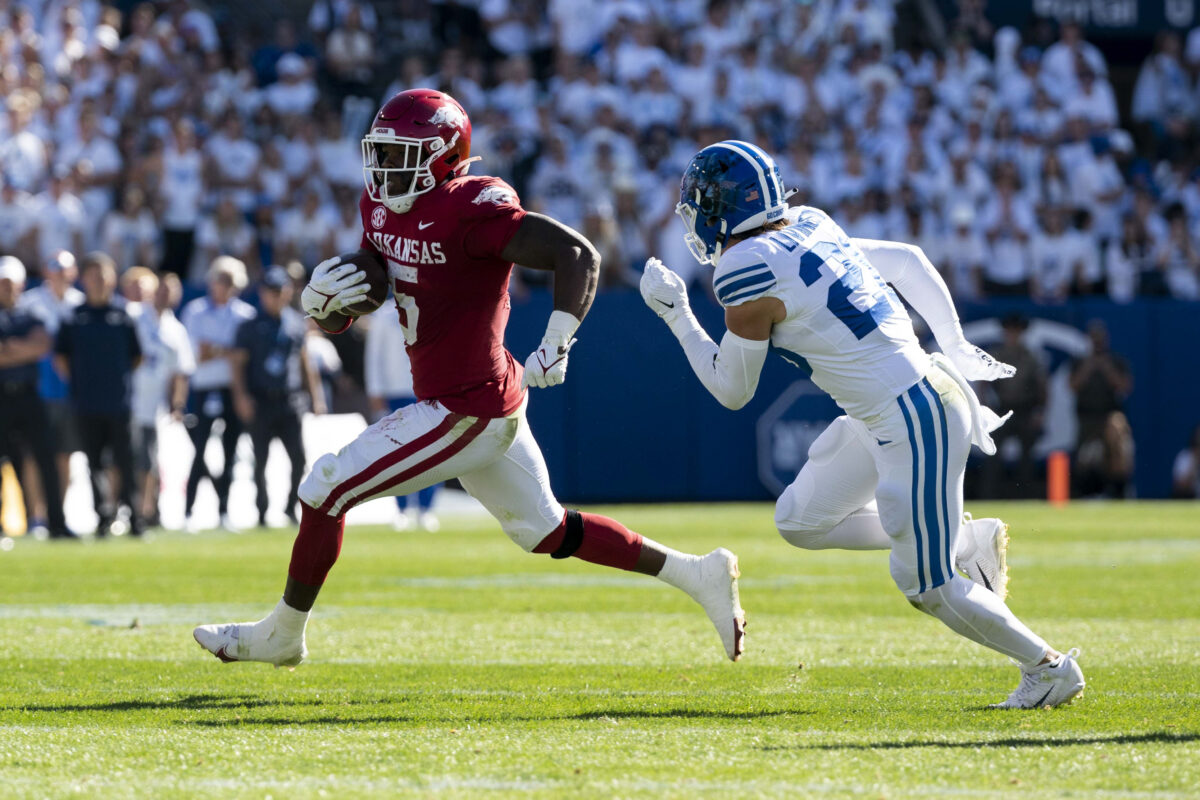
{"type": "Point", "coordinates": [455, 665]}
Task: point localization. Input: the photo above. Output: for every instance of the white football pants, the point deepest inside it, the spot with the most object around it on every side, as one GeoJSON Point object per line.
{"type": "Point", "coordinates": [910, 460]}
{"type": "Point", "coordinates": [497, 460]}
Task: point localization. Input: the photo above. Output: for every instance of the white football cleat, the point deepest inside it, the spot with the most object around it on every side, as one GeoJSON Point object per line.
{"type": "Point", "coordinates": [715, 588]}
{"type": "Point", "coordinates": [403, 522]}
{"type": "Point", "coordinates": [428, 522]}
{"type": "Point", "coordinates": [1049, 685]}
{"type": "Point", "coordinates": [252, 641]}
{"type": "Point", "coordinates": [982, 553]}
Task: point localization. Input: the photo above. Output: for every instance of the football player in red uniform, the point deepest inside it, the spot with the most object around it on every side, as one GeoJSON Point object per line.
{"type": "Point", "coordinates": [450, 241]}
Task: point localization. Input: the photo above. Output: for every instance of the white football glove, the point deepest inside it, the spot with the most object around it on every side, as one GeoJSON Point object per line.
{"type": "Point", "coordinates": [663, 290]}
{"type": "Point", "coordinates": [976, 364]}
{"type": "Point", "coordinates": [332, 287]}
{"type": "Point", "coordinates": [547, 366]}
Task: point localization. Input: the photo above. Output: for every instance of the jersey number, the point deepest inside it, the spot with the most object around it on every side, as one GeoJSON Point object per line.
{"type": "Point", "coordinates": [407, 306]}
{"type": "Point", "coordinates": [857, 296]}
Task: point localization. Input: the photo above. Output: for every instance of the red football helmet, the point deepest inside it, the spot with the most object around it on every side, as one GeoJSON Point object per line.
{"type": "Point", "coordinates": [419, 139]}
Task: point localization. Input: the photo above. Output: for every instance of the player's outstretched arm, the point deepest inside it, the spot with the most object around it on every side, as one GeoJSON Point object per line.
{"type": "Point", "coordinates": [906, 267]}
{"type": "Point", "coordinates": [546, 244]}
{"type": "Point", "coordinates": [731, 370]}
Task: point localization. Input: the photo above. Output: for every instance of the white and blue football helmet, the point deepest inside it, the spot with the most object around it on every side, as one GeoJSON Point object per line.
{"type": "Point", "coordinates": [728, 188]}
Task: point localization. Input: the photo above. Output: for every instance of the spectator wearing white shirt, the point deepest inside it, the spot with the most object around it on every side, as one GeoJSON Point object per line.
{"type": "Point", "coordinates": [295, 93]}
{"type": "Point", "coordinates": [160, 381]}
{"type": "Point", "coordinates": [305, 233]}
{"type": "Point", "coordinates": [389, 385]}
{"type": "Point", "coordinates": [94, 158]}
{"type": "Point", "coordinates": [23, 156]}
{"type": "Point", "coordinates": [1056, 268]}
{"type": "Point", "coordinates": [1061, 63]}
{"type": "Point", "coordinates": [212, 322]}
{"type": "Point", "coordinates": [1178, 256]}
{"type": "Point", "coordinates": [1007, 225]}
{"type": "Point", "coordinates": [130, 234]}
{"type": "Point", "coordinates": [963, 254]}
{"type": "Point", "coordinates": [180, 194]}
{"type": "Point", "coordinates": [60, 217]}
{"type": "Point", "coordinates": [18, 225]}
{"type": "Point", "coordinates": [225, 233]}
{"type": "Point", "coordinates": [232, 162]}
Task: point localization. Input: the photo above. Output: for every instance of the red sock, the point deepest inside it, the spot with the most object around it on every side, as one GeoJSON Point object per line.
{"type": "Point", "coordinates": [317, 546]}
{"type": "Point", "coordinates": [593, 538]}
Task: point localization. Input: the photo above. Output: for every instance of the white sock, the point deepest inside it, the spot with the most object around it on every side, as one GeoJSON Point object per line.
{"type": "Point", "coordinates": [288, 620]}
{"type": "Point", "coordinates": [677, 570]}
{"type": "Point", "coordinates": [861, 530]}
{"type": "Point", "coordinates": [972, 611]}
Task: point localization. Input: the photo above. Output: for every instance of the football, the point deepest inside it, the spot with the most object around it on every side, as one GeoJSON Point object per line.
{"type": "Point", "coordinates": [377, 278]}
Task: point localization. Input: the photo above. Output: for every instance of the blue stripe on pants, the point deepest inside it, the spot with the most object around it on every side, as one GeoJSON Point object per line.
{"type": "Point", "coordinates": [944, 481]}
{"type": "Point", "coordinates": [919, 534]}
{"type": "Point", "coordinates": [929, 482]}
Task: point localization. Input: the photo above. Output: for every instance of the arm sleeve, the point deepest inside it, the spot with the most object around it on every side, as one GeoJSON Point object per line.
{"type": "Point", "coordinates": [907, 268]}
{"type": "Point", "coordinates": [730, 372]}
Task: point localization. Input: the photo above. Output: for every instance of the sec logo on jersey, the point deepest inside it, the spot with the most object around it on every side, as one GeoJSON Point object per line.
{"type": "Point", "coordinates": [379, 216]}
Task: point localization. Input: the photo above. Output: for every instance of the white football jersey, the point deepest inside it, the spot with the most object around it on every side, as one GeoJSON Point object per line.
{"type": "Point", "coordinates": [845, 326]}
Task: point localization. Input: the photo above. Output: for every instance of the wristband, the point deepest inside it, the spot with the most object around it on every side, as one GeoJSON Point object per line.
{"type": "Point", "coordinates": [560, 328]}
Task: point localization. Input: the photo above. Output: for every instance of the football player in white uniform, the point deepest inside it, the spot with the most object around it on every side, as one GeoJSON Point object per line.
{"type": "Point", "coordinates": [889, 473]}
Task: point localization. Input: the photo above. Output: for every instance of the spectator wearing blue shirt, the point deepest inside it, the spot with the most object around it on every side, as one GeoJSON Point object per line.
{"type": "Point", "coordinates": [97, 350]}
{"type": "Point", "coordinates": [23, 343]}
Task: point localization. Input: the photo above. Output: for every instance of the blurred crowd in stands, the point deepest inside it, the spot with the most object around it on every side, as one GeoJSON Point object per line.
{"type": "Point", "coordinates": [170, 134]}
{"type": "Point", "coordinates": [167, 135]}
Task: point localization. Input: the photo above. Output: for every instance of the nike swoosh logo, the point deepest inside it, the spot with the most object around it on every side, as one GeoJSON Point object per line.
{"type": "Point", "coordinates": [546, 367]}
{"type": "Point", "coordinates": [882, 442]}
{"type": "Point", "coordinates": [986, 583]}
{"type": "Point", "coordinates": [423, 225]}
{"type": "Point", "coordinates": [665, 303]}
{"type": "Point", "coordinates": [1038, 704]}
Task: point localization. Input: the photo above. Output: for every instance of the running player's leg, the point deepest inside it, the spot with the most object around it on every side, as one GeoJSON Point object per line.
{"type": "Point", "coordinates": [515, 488]}
{"type": "Point", "coordinates": [920, 502]}
{"type": "Point", "coordinates": [403, 452]}
{"type": "Point", "coordinates": [831, 504]}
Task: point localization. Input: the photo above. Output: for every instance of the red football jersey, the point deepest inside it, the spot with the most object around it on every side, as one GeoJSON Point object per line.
{"type": "Point", "coordinates": [451, 287]}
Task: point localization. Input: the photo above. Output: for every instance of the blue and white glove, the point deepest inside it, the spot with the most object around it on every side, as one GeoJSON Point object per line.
{"type": "Point", "coordinates": [664, 291]}
{"type": "Point", "coordinates": [332, 287]}
{"type": "Point", "coordinates": [547, 366]}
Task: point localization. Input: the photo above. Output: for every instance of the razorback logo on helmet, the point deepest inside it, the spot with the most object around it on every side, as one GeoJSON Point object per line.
{"type": "Point", "coordinates": [379, 216]}
{"type": "Point", "coordinates": [494, 194]}
{"type": "Point", "coordinates": [448, 114]}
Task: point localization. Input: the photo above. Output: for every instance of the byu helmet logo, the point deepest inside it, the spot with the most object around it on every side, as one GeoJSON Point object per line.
{"type": "Point", "coordinates": [494, 194]}
{"type": "Point", "coordinates": [448, 114]}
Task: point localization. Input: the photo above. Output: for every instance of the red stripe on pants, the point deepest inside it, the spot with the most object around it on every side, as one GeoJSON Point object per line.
{"type": "Point", "coordinates": [388, 461]}
{"type": "Point", "coordinates": [458, 444]}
